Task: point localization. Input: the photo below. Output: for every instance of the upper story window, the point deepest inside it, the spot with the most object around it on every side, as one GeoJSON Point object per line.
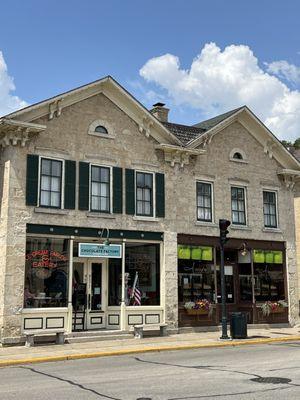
{"type": "Point", "coordinates": [101, 129]}
{"type": "Point", "coordinates": [270, 209]}
{"type": "Point", "coordinates": [238, 208]}
{"type": "Point", "coordinates": [144, 194]}
{"type": "Point", "coordinates": [50, 183]}
{"type": "Point", "coordinates": [100, 189]}
{"type": "Point", "coordinates": [204, 201]}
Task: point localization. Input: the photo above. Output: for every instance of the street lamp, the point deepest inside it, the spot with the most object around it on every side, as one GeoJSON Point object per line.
{"type": "Point", "coordinates": [223, 225]}
{"type": "Point", "coordinates": [106, 241]}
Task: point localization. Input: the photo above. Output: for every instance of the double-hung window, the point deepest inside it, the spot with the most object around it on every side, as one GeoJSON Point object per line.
{"type": "Point", "coordinates": [50, 183]}
{"type": "Point", "coordinates": [100, 189]}
{"type": "Point", "coordinates": [238, 208]}
{"type": "Point", "coordinates": [204, 201]}
{"type": "Point", "coordinates": [270, 212]}
{"type": "Point", "coordinates": [144, 194]}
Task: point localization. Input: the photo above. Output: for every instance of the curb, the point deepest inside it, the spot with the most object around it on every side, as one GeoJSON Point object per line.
{"type": "Point", "coordinates": [67, 357]}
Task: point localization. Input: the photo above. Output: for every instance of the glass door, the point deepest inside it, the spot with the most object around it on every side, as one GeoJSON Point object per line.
{"type": "Point", "coordinates": [89, 292]}
{"type": "Point", "coordinates": [95, 294]}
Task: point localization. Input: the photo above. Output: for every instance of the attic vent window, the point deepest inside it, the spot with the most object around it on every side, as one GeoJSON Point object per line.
{"type": "Point", "coordinates": [237, 156]}
{"type": "Point", "coordinates": [101, 129]}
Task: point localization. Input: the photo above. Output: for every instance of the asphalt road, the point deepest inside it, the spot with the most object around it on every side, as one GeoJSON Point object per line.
{"type": "Point", "coordinates": [215, 373]}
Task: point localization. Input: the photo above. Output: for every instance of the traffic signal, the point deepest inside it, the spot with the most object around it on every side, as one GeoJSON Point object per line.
{"type": "Point", "coordinates": [223, 225]}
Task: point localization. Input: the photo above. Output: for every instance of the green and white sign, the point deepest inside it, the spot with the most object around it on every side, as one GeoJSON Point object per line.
{"type": "Point", "coordinates": [99, 250]}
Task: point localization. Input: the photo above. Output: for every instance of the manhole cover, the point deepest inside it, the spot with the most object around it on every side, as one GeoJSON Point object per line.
{"type": "Point", "coordinates": [271, 379]}
{"type": "Point", "coordinates": [144, 398]}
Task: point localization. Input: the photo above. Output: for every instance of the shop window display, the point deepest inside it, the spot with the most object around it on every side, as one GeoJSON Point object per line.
{"type": "Point", "coordinates": [196, 276]}
{"type": "Point", "coordinates": [142, 278]}
{"type": "Point", "coordinates": [46, 273]}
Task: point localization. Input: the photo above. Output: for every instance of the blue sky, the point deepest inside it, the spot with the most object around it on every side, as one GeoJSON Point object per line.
{"type": "Point", "coordinates": [52, 46]}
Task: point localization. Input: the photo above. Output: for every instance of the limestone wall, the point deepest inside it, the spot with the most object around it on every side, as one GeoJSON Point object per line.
{"type": "Point", "coordinates": [66, 137]}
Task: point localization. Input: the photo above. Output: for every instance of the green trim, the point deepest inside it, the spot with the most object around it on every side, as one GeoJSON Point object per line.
{"type": "Point", "coordinates": [32, 179]}
{"type": "Point", "coordinates": [84, 185]}
{"type": "Point", "coordinates": [130, 191]}
{"type": "Point", "coordinates": [92, 232]}
{"type": "Point", "coordinates": [160, 195]}
{"type": "Point", "coordinates": [70, 184]}
{"type": "Point", "coordinates": [117, 190]}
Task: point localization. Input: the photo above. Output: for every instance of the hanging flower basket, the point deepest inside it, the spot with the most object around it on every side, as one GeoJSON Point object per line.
{"type": "Point", "coordinates": [199, 307]}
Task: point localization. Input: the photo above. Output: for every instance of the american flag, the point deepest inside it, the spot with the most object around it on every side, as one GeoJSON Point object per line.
{"type": "Point", "coordinates": [136, 293]}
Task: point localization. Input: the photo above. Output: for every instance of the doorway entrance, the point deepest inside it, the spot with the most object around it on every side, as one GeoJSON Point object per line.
{"type": "Point", "coordinates": [89, 294]}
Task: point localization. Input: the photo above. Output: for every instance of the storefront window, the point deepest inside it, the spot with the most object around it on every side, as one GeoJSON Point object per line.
{"type": "Point", "coordinates": [142, 278]}
{"type": "Point", "coordinates": [195, 281]}
{"type": "Point", "coordinates": [46, 273]}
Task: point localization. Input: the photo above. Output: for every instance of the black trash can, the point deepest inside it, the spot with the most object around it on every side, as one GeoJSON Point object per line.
{"type": "Point", "coordinates": [238, 325]}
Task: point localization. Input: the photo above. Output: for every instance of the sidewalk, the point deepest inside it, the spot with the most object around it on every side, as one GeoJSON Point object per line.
{"type": "Point", "coordinates": [45, 353]}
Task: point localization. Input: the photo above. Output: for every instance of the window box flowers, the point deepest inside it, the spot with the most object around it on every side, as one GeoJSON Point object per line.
{"type": "Point", "coordinates": [272, 307]}
{"type": "Point", "coordinates": [199, 307]}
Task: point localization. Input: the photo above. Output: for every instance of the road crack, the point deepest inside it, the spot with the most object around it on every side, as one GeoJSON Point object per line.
{"type": "Point", "coordinates": [70, 382]}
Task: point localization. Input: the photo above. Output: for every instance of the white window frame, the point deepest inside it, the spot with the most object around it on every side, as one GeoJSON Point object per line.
{"type": "Point", "coordinates": [62, 195]}
{"type": "Point", "coordinates": [212, 202]}
{"type": "Point", "coordinates": [245, 203]}
{"type": "Point", "coordinates": [153, 194]}
{"type": "Point", "coordinates": [276, 205]}
{"type": "Point", "coordinates": [110, 189]}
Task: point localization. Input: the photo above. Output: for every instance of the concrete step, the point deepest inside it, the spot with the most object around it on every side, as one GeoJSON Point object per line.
{"type": "Point", "coordinates": [98, 338]}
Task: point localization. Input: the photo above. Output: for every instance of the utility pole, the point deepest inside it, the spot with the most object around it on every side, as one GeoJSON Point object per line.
{"type": "Point", "coordinates": [223, 225]}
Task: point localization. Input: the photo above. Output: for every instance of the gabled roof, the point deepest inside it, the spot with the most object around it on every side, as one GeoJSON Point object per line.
{"type": "Point", "coordinates": [210, 123]}
{"type": "Point", "coordinates": [116, 93]}
{"type": "Point", "coordinates": [184, 133]}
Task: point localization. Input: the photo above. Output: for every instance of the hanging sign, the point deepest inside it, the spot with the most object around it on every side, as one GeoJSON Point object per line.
{"type": "Point", "coordinates": [99, 250]}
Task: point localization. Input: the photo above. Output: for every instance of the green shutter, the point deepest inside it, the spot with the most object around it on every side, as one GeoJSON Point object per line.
{"type": "Point", "coordinates": [117, 190]}
{"type": "Point", "coordinates": [84, 185]}
{"type": "Point", "coordinates": [32, 179]}
{"type": "Point", "coordinates": [70, 184]}
{"type": "Point", "coordinates": [160, 194]}
{"type": "Point", "coordinates": [130, 191]}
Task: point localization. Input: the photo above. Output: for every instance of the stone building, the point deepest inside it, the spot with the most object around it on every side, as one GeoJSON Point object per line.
{"type": "Point", "coordinates": [109, 216]}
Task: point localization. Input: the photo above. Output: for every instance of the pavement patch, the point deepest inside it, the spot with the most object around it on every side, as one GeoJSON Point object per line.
{"type": "Point", "coordinates": [271, 379]}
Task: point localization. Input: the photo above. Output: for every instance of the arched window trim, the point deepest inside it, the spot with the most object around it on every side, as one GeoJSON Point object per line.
{"type": "Point", "coordinates": [236, 159]}
{"type": "Point", "coordinates": [110, 134]}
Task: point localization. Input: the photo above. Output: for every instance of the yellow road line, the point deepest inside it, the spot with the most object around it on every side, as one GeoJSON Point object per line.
{"type": "Point", "coordinates": [66, 357]}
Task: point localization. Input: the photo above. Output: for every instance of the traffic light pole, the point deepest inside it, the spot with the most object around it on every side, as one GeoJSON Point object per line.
{"type": "Point", "coordinates": [223, 295]}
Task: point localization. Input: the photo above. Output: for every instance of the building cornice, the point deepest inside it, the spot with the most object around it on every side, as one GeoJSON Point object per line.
{"type": "Point", "coordinates": [178, 155]}
{"type": "Point", "coordinates": [14, 133]}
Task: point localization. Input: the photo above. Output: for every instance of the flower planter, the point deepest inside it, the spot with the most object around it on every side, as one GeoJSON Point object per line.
{"type": "Point", "coordinates": [277, 310]}
{"type": "Point", "coordinates": [192, 311]}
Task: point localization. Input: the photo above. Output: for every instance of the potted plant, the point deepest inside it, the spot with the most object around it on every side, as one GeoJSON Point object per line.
{"type": "Point", "coordinates": [199, 307]}
{"type": "Point", "coordinates": [272, 307]}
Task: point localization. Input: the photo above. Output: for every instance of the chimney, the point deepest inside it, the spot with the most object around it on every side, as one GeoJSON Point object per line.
{"type": "Point", "coordinates": [160, 112]}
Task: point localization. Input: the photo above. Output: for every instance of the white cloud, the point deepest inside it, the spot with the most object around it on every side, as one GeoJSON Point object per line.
{"type": "Point", "coordinates": [218, 81]}
{"type": "Point", "coordinates": [8, 102]}
{"type": "Point", "coordinates": [284, 70]}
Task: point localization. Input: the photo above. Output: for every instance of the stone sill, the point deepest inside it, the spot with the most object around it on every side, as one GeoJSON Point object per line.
{"type": "Point", "coordinates": [102, 135]}
{"type": "Point", "coordinates": [240, 228]}
{"type": "Point", "coordinates": [99, 215]}
{"type": "Point", "coordinates": [272, 230]}
{"type": "Point", "coordinates": [239, 161]}
{"type": "Point", "coordinates": [52, 211]}
{"type": "Point", "coordinates": [207, 224]}
{"type": "Point", "coordinates": [145, 219]}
